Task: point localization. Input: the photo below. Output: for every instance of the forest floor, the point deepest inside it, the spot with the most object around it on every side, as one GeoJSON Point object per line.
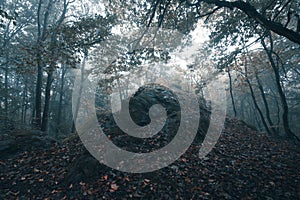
{"type": "Point", "coordinates": [244, 164]}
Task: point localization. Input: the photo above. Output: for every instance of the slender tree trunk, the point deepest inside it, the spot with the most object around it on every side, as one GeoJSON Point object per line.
{"type": "Point", "coordinates": [38, 94]}
{"type": "Point", "coordinates": [41, 38]}
{"type": "Point", "coordinates": [285, 108]}
{"type": "Point", "coordinates": [61, 94]}
{"type": "Point", "coordinates": [33, 110]}
{"type": "Point", "coordinates": [231, 92]}
{"type": "Point", "coordinates": [24, 103]}
{"type": "Point", "coordinates": [255, 102]}
{"type": "Point", "coordinates": [257, 121]}
{"type": "Point", "coordinates": [241, 109]}
{"type": "Point", "coordinates": [38, 87]}
{"type": "Point", "coordinates": [278, 111]}
{"type": "Point", "coordinates": [257, 108]}
{"type": "Point", "coordinates": [6, 70]}
{"type": "Point", "coordinates": [82, 78]}
{"type": "Point", "coordinates": [298, 22]}
{"type": "Point", "coordinates": [278, 115]}
{"type": "Point", "coordinates": [50, 72]}
{"type": "Point", "coordinates": [119, 85]}
{"type": "Point", "coordinates": [6, 92]}
{"type": "Point", "coordinates": [261, 89]}
{"type": "Point", "coordinates": [42, 29]}
{"type": "Point", "coordinates": [25, 108]}
{"type": "Point", "coordinates": [44, 126]}
{"type": "Point", "coordinates": [265, 102]}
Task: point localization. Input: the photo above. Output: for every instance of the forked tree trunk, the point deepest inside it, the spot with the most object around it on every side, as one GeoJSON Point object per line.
{"type": "Point", "coordinates": [285, 108]}
{"type": "Point", "coordinates": [261, 89]}
{"type": "Point", "coordinates": [255, 101]}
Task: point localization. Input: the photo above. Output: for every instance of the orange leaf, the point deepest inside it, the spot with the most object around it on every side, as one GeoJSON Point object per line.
{"type": "Point", "coordinates": [114, 187]}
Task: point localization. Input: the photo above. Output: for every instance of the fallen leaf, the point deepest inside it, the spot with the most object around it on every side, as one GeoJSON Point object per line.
{"type": "Point", "coordinates": [114, 187]}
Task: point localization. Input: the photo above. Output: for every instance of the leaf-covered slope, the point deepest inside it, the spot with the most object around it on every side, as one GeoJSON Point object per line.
{"type": "Point", "coordinates": [245, 164]}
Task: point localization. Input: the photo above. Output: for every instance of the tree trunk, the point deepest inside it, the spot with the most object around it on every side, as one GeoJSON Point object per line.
{"type": "Point", "coordinates": [38, 94]}
{"type": "Point", "coordinates": [6, 70]}
{"type": "Point", "coordinates": [42, 30]}
{"type": "Point", "coordinates": [119, 84]}
{"type": "Point", "coordinates": [38, 87]}
{"type": "Point", "coordinates": [255, 102]}
{"type": "Point", "coordinates": [298, 22]}
{"type": "Point", "coordinates": [261, 89]}
{"type": "Point", "coordinates": [82, 78]}
{"type": "Point", "coordinates": [6, 92]}
{"type": "Point", "coordinates": [24, 103]}
{"type": "Point", "coordinates": [231, 92]}
{"type": "Point", "coordinates": [61, 94]}
{"type": "Point", "coordinates": [44, 126]}
{"type": "Point", "coordinates": [285, 108]}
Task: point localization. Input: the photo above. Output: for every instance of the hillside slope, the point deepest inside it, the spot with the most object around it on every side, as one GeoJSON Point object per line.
{"type": "Point", "coordinates": [244, 164]}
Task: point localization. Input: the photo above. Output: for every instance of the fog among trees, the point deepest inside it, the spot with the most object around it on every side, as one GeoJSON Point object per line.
{"type": "Point", "coordinates": [48, 48]}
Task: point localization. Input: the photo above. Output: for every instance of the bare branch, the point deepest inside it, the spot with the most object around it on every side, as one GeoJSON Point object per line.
{"type": "Point", "coordinates": [251, 11]}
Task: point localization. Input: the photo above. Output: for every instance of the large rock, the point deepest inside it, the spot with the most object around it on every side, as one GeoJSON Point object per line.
{"type": "Point", "coordinates": [139, 105]}
{"type": "Point", "coordinates": [152, 94]}
{"type": "Point", "coordinates": [148, 96]}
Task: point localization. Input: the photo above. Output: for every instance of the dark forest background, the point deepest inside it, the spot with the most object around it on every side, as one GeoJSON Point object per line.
{"type": "Point", "coordinates": [43, 43]}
